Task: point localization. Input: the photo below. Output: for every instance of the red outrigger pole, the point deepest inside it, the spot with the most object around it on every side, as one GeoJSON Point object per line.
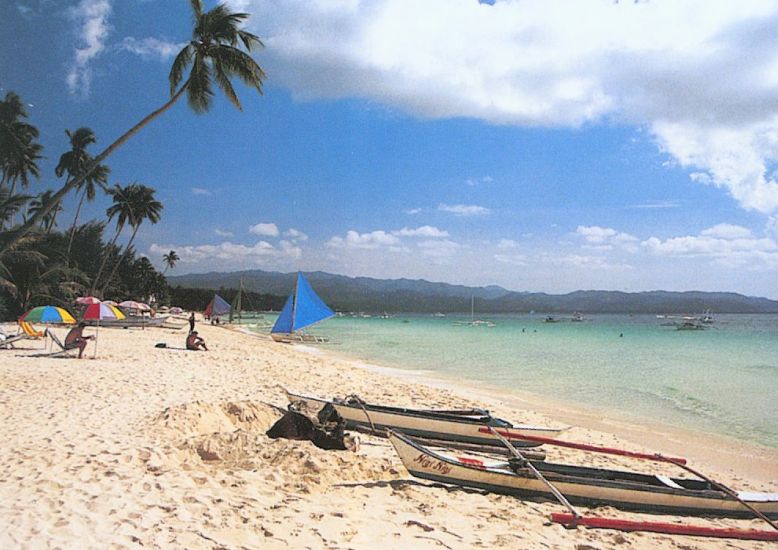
{"type": "Point", "coordinates": [585, 447]}
{"type": "Point", "coordinates": [569, 520]}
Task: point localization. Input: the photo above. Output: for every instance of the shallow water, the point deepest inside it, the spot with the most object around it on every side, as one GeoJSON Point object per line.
{"type": "Point", "coordinates": [721, 380]}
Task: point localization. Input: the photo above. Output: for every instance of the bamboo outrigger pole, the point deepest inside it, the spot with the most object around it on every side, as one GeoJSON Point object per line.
{"type": "Point", "coordinates": [559, 496]}
{"type": "Point", "coordinates": [727, 491]}
{"type": "Point", "coordinates": [586, 447]}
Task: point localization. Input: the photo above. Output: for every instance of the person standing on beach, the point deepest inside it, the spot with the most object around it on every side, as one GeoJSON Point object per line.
{"type": "Point", "coordinates": [191, 323]}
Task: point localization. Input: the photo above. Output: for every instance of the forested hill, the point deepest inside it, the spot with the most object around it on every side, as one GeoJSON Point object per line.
{"type": "Point", "coordinates": [408, 295]}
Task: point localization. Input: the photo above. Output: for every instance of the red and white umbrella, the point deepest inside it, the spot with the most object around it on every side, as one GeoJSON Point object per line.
{"type": "Point", "coordinates": [97, 312]}
{"type": "Point", "coordinates": [132, 304]}
{"type": "Point", "coordinates": [87, 300]}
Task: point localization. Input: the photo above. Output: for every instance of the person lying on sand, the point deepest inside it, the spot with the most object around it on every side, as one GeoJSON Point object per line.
{"type": "Point", "coordinates": [76, 339]}
{"type": "Point", "coordinates": [194, 342]}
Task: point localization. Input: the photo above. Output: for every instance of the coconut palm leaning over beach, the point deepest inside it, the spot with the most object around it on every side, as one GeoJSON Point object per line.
{"type": "Point", "coordinates": [214, 54]}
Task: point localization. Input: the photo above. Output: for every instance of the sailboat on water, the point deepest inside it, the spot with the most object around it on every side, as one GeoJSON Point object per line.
{"type": "Point", "coordinates": [217, 307]}
{"type": "Point", "coordinates": [302, 309]}
{"type": "Point", "coordinates": [236, 308]}
{"type": "Point", "coordinates": [473, 322]}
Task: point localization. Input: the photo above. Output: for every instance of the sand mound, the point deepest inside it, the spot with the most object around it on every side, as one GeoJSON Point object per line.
{"type": "Point", "coordinates": [232, 436]}
{"type": "Point", "coordinates": [198, 418]}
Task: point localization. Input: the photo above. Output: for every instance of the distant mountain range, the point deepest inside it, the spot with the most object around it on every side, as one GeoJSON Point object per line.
{"type": "Point", "coordinates": [414, 295]}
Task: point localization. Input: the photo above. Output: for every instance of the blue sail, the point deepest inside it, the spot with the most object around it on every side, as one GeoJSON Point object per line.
{"type": "Point", "coordinates": [302, 309]}
{"type": "Point", "coordinates": [284, 321]}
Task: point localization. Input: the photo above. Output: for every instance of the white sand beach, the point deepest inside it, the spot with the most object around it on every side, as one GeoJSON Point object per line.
{"type": "Point", "coordinates": [163, 448]}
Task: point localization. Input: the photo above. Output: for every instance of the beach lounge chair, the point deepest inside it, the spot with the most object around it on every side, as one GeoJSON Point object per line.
{"type": "Point", "coordinates": [61, 352]}
{"type": "Point", "coordinates": [7, 342]}
{"type": "Point", "coordinates": [28, 329]}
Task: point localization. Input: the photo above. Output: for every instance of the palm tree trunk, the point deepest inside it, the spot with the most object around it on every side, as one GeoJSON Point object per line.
{"type": "Point", "coordinates": [105, 259]}
{"type": "Point", "coordinates": [17, 235]}
{"type": "Point", "coordinates": [126, 251]}
{"type": "Point", "coordinates": [53, 221]}
{"type": "Point", "coordinates": [75, 222]}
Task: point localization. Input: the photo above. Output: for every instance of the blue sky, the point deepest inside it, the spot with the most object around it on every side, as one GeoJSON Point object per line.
{"type": "Point", "coordinates": [543, 146]}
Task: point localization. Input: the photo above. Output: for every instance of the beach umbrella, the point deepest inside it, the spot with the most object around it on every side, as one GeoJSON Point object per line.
{"type": "Point", "coordinates": [97, 312]}
{"type": "Point", "coordinates": [110, 303]}
{"type": "Point", "coordinates": [176, 310]}
{"type": "Point", "coordinates": [48, 314]}
{"type": "Point", "coordinates": [132, 304]}
{"type": "Point", "coordinates": [87, 300]}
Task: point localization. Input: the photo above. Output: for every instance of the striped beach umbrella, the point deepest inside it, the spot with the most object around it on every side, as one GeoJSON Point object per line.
{"type": "Point", "coordinates": [87, 300]}
{"type": "Point", "coordinates": [48, 314]}
{"type": "Point", "coordinates": [97, 312]}
{"type": "Point", "coordinates": [132, 304]}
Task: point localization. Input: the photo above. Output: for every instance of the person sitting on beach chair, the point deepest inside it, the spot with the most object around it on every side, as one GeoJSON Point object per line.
{"type": "Point", "coordinates": [76, 339]}
{"type": "Point", "coordinates": [194, 342]}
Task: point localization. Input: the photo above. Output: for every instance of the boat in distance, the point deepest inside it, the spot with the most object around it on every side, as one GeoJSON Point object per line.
{"type": "Point", "coordinates": [583, 485]}
{"type": "Point", "coordinates": [463, 426]}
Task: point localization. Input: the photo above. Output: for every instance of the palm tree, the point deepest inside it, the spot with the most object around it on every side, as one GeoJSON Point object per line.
{"type": "Point", "coordinates": [215, 54]}
{"type": "Point", "coordinates": [75, 163]}
{"type": "Point", "coordinates": [122, 211]}
{"type": "Point", "coordinates": [10, 204]}
{"type": "Point", "coordinates": [50, 219]}
{"type": "Point", "coordinates": [137, 204]}
{"type": "Point", "coordinates": [19, 152]}
{"type": "Point", "coordinates": [170, 260]}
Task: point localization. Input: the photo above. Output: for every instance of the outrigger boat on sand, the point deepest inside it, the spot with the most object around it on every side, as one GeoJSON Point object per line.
{"type": "Point", "coordinates": [465, 426]}
{"type": "Point", "coordinates": [584, 485]}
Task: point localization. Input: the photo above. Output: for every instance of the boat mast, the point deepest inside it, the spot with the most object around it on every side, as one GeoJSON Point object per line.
{"type": "Point", "coordinates": [294, 303]}
{"type": "Point", "coordinates": [240, 301]}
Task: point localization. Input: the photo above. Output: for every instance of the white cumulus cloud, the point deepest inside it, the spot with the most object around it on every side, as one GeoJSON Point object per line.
{"type": "Point", "coordinates": [354, 239]}
{"type": "Point", "coordinates": [264, 229]}
{"type": "Point", "coordinates": [606, 238]}
{"type": "Point", "coordinates": [91, 17]}
{"type": "Point", "coordinates": [295, 234]}
{"type": "Point", "coordinates": [423, 231]}
{"type": "Point", "coordinates": [701, 76]}
{"type": "Point", "coordinates": [151, 48]}
{"type": "Point", "coordinates": [464, 209]}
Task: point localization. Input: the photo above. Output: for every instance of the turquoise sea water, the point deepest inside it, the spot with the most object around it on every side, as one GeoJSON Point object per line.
{"type": "Point", "coordinates": [721, 380]}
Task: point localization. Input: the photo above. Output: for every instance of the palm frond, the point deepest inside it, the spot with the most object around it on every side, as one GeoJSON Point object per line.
{"type": "Point", "coordinates": [199, 94]}
{"type": "Point", "coordinates": [238, 63]}
{"type": "Point", "coordinates": [223, 80]}
{"type": "Point", "coordinates": [250, 40]}
{"type": "Point", "coordinates": [181, 62]}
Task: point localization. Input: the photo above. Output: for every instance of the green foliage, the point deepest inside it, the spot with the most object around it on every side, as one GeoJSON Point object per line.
{"type": "Point", "coordinates": [195, 299]}
{"type": "Point", "coordinates": [38, 272]}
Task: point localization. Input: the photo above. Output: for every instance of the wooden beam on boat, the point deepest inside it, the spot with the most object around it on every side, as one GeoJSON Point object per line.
{"type": "Point", "coordinates": [559, 496]}
{"type": "Point", "coordinates": [595, 522]}
{"type": "Point", "coordinates": [586, 447]}
{"type": "Point", "coordinates": [533, 454]}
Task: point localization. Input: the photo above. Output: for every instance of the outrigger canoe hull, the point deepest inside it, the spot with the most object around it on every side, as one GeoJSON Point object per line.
{"type": "Point", "coordinates": [431, 424]}
{"type": "Point", "coordinates": [585, 486]}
